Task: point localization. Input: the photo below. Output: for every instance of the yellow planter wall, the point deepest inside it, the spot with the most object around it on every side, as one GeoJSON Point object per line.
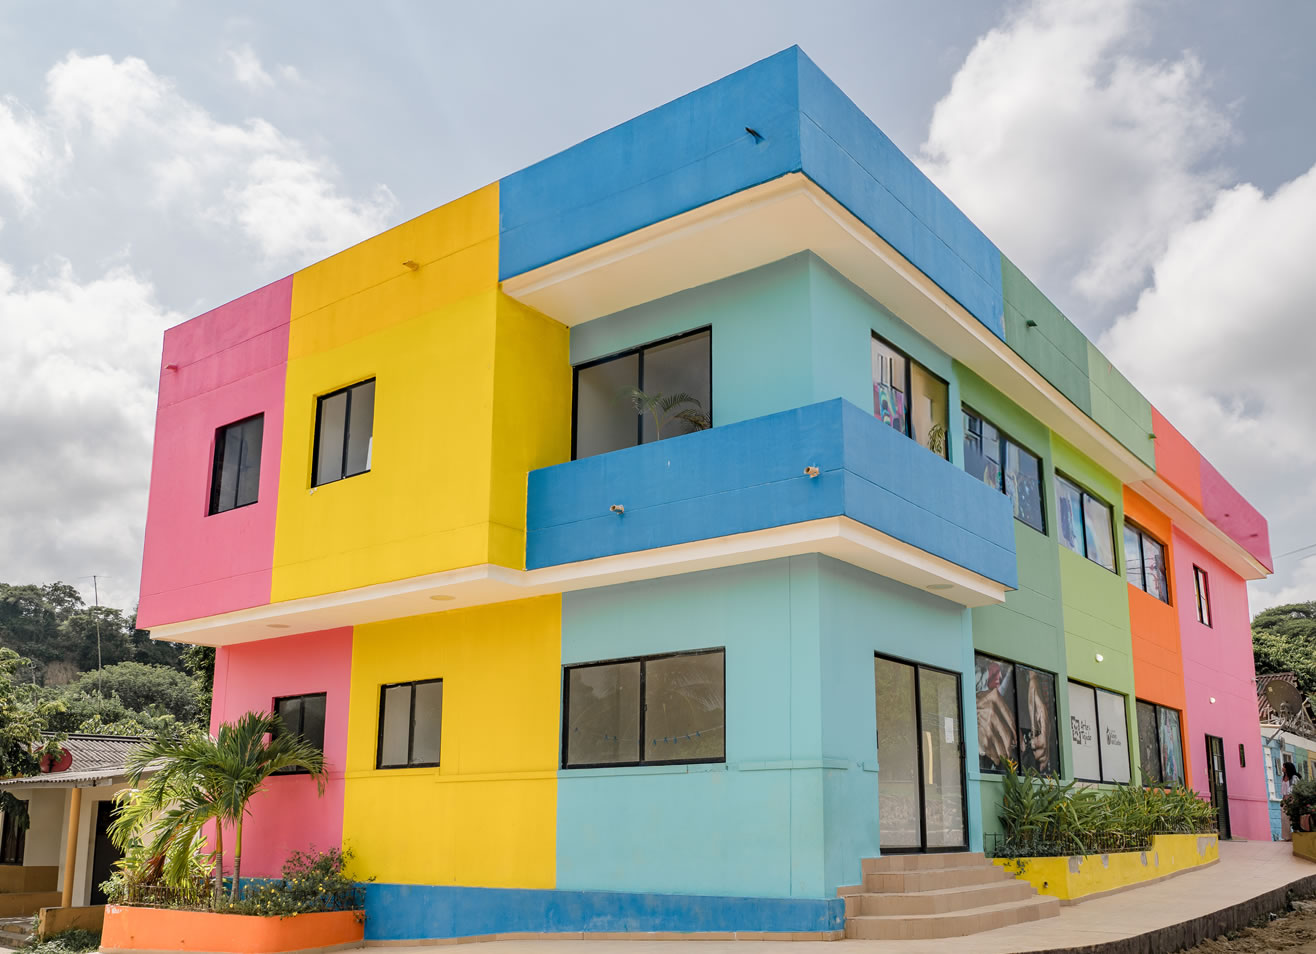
{"type": "Point", "coordinates": [1304, 844]}
{"type": "Point", "coordinates": [1079, 876]}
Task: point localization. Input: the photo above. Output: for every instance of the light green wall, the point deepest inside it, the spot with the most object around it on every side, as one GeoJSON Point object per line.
{"type": "Point", "coordinates": [1119, 407]}
{"type": "Point", "coordinates": [1053, 346]}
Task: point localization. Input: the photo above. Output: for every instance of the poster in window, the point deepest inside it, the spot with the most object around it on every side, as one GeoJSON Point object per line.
{"type": "Point", "coordinates": [1039, 737]}
{"type": "Point", "coordinates": [998, 730]}
{"type": "Point", "coordinates": [1171, 746]}
{"type": "Point", "coordinates": [1069, 506]}
{"type": "Point", "coordinates": [1149, 748]}
{"type": "Point", "coordinates": [1114, 737]}
{"type": "Point", "coordinates": [889, 405]}
{"type": "Point", "coordinates": [1083, 732]}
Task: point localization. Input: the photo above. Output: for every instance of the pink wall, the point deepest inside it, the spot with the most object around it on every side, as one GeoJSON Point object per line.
{"type": "Point", "coordinates": [230, 364]}
{"type": "Point", "coordinates": [1217, 662]}
{"type": "Point", "coordinates": [1227, 509]}
{"type": "Point", "coordinates": [287, 815]}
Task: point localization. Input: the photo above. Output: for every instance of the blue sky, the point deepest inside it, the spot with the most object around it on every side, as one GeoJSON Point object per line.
{"type": "Point", "coordinates": [1148, 162]}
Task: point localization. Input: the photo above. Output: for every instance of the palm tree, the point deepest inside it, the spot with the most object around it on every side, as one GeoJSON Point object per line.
{"type": "Point", "coordinates": [664, 408]}
{"type": "Point", "coordinates": [200, 779]}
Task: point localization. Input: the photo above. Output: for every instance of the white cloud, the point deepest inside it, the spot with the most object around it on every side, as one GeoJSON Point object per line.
{"type": "Point", "coordinates": [1078, 157]}
{"type": "Point", "coordinates": [27, 154]}
{"type": "Point", "coordinates": [247, 68]}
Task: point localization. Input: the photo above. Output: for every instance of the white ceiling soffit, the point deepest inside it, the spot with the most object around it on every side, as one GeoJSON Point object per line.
{"type": "Point", "coordinates": [793, 214]}
{"type": "Point", "coordinates": [838, 537]}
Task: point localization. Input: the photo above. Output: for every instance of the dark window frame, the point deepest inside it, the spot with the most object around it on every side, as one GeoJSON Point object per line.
{"type": "Point", "coordinates": [13, 841]}
{"type": "Point", "coordinates": [1116, 543]}
{"type": "Point", "coordinates": [1202, 591]}
{"type": "Point", "coordinates": [347, 432]}
{"type": "Point", "coordinates": [642, 660]}
{"type": "Point", "coordinates": [1096, 711]}
{"type": "Point", "coordinates": [1005, 438]}
{"type": "Point", "coordinates": [1160, 755]}
{"type": "Point", "coordinates": [217, 466]}
{"type": "Point", "coordinates": [411, 727]}
{"type": "Point", "coordinates": [909, 393]}
{"type": "Point", "coordinates": [1060, 769]}
{"type": "Point", "coordinates": [1143, 536]}
{"type": "Point", "coordinates": [301, 722]}
{"type": "Point", "coordinates": [638, 351]}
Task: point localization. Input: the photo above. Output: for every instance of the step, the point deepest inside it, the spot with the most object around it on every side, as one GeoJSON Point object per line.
{"type": "Point", "coordinates": [903, 882]}
{"type": "Point", "coordinates": [955, 924]}
{"type": "Point", "coordinates": [942, 901]}
{"type": "Point", "coordinates": [887, 864]}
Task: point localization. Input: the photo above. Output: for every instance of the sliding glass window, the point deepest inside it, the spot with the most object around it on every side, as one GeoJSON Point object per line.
{"type": "Point", "coordinates": [1160, 744]}
{"type": "Point", "coordinates": [1144, 562]}
{"type": "Point", "coordinates": [909, 397]}
{"type": "Point", "coordinates": [1085, 523]}
{"type": "Point", "coordinates": [660, 390]}
{"type": "Point", "coordinates": [1001, 463]}
{"type": "Point", "coordinates": [1098, 735]}
{"type": "Point", "coordinates": [235, 474]}
{"type": "Point", "coordinates": [344, 433]}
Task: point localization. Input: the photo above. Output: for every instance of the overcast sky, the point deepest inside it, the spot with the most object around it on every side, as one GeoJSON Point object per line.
{"type": "Point", "coordinates": [1150, 164]}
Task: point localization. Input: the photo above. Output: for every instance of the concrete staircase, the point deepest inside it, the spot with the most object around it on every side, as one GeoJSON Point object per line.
{"type": "Point", "coordinates": [906, 897]}
{"type": "Point", "coordinates": [15, 932]}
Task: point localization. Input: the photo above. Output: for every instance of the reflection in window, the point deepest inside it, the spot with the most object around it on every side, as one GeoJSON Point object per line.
{"type": "Point", "coordinates": [1203, 593]}
{"type": "Point", "coordinates": [1085, 524]}
{"type": "Point", "coordinates": [909, 398]}
{"type": "Point", "coordinates": [410, 724]}
{"type": "Point", "coordinates": [235, 477]}
{"type": "Point", "coordinates": [1160, 745]}
{"type": "Point", "coordinates": [1098, 734]}
{"type": "Point", "coordinates": [651, 393]}
{"type": "Point", "coordinates": [1017, 717]}
{"type": "Point", "coordinates": [1144, 563]}
{"type": "Point", "coordinates": [682, 717]}
{"type": "Point", "coordinates": [302, 716]}
{"type": "Point", "coordinates": [1020, 478]}
{"type": "Point", "coordinates": [344, 433]}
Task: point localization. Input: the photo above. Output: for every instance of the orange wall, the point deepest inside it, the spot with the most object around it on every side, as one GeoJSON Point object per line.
{"type": "Point", "coordinates": [1157, 657]}
{"type": "Point", "coordinates": [1177, 460]}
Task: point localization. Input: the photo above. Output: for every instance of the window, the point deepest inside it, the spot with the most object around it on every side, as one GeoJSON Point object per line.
{"type": "Point", "coordinates": [344, 433]}
{"type": "Point", "coordinates": [660, 390]}
{"type": "Point", "coordinates": [1017, 716]}
{"type": "Point", "coordinates": [1099, 734]}
{"type": "Point", "coordinates": [909, 398]}
{"type": "Point", "coordinates": [1020, 479]}
{"type": "Point", "coordinates": [1160, 744]}
{"type": "Point", "coordinates": [1144, 562]}
{"type": "Point", "coordinates": [302, 716]}
{"type": "Point", "coordinates": [235, 477]}
{"type": "Point", "coordinates": [1085, 523]}
{"type": "Point", "coordinates": [410, 724]}
{"type": "Point", "coordinates": [1203, 589]}
{"type": "Point", "coordinates": [12, 838]}
{"type": "Point", "coordinates": [652, 711]}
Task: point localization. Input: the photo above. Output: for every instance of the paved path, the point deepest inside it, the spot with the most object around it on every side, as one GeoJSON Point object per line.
{"type": "Point", "coordinates": [1246, 871]}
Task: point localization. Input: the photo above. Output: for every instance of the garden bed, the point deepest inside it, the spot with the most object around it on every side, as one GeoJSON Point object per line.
{"type": "Point", "coordinates": [131, 929]}
{"type": "Point", "coordinates": [1078, 877]}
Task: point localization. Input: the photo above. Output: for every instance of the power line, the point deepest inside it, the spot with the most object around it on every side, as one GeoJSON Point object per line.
{"type": "Point", "coordinates": [1310, 546]}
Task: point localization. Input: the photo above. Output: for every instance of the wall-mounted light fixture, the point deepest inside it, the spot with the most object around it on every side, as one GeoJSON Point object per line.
{"type": "Point", "coordinates": [811, 471]}
{"type": "Point", "coordinates": [411, 264]}
{"type": "Point", "coordinates": [277, 626]}
{"type": "Point", "coordinates": [1100, 658]}
{"type": "Point", "coordinates": [442, 597]}
{"type": "Point", "coordinates": [1213, 700]}
{"type": "Point", "coordinates": [617, 508]}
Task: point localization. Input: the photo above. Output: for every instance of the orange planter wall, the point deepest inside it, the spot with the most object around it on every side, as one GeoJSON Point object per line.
{"type": "Point", "coordinates": [156, 929]}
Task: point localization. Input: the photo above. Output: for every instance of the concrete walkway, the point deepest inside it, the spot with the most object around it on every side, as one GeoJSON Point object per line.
{"type": "Point", "coordinates": [1250, 879]}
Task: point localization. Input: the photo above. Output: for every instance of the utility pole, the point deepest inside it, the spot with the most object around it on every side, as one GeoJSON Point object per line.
{"type": "Point", "coordinates": [96, 593]}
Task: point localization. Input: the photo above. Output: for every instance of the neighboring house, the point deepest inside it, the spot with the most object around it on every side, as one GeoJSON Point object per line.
{"type": "Point", "coordinates": [667, 672]}
{"type": "Point", "coordinates": [1292, 739]}
{"type": "Point", "coordinates": [68, 804]}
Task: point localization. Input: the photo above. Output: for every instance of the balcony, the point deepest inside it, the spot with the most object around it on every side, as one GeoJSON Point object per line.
{"type": "Point", "coordinates": [740, 493]}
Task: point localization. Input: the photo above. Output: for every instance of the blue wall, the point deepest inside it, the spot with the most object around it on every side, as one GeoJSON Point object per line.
{"type": "Point", "coordinates": [695, 150]}
{"type": "Point", "coordinates": [750, 476]}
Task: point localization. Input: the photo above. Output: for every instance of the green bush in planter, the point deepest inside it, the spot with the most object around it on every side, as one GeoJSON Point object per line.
{"type": "Point", "coordinates": [1301, 800]}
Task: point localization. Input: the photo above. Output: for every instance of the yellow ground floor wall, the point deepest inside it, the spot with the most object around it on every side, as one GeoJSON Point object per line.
{"type": "Point", "coordinates": [1304, 844]}
{"type": "Point", "coordinates": [1078, 876]}
{"type": "Point", "coordinates": [487, 815]}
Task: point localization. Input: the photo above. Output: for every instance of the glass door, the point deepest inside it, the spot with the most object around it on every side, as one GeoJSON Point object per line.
{"type": "Point", "coordinates": [1216, 783]}
{"type": "Point", "coordinates": [920, 752]}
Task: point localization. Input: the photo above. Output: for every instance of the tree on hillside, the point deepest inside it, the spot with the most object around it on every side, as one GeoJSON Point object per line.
{"type": "Point", "coordinates": [23, 719]}
{"type": "Point", "coordinates": [129, 698]}
{"type": "Point", "coordinates": [1284, 640]}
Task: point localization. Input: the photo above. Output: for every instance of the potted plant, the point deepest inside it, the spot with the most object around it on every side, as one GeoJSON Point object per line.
{"type": "Point", "coordinates": [1300, 804]}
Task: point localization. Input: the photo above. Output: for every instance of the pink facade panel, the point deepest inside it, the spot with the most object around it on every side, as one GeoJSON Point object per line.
{"type": "Point", "coordinates": [287, 815]}
{"type": "Point", "coordinates": [1220, 685]}
{"type": "Point", "coordinates": [218, 368]}
{"type": "Point", "coordinates": [1227, 509]}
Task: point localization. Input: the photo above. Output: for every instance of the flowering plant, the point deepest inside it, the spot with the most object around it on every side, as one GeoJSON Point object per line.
{"type": "Point", "coordinates": [311, 882]}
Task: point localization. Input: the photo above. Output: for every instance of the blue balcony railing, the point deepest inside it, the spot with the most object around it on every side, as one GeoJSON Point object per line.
{"type": "Point", "coordinates": [751, 476]}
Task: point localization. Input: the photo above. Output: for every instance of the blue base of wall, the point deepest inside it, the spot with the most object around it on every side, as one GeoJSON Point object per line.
{"type": "Point", "coordinates": [401, 912]}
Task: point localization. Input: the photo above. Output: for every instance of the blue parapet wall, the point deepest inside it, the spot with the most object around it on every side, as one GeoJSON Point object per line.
{"type": "Point", "coordinates": [750, 476]}
{"type": "Point", "coordinates": [695, 150]}
{"type": "Point", "coordinates": [402, 912]}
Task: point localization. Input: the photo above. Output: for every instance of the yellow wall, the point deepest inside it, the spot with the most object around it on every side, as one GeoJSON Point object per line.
{"type": "Point", "coordinates": [471, 391]}
{"type": "Point", "coordinates": [487, 816]}
{"type": "Point", "coordinates": [1080, 876]}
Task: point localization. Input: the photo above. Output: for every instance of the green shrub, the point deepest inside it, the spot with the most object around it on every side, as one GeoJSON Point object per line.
{"type": "Point", "coordinates": [1301, 800]}
{"type": "Point", "coordinates": [311, 882]}
{"type": "Point", "coordinates": [72, 941]}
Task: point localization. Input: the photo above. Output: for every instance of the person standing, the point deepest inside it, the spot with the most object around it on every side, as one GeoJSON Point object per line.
{"type": "Point", "coordinates": [1290, 775]}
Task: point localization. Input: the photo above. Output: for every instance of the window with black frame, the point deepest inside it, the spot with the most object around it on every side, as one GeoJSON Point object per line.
{"type": "Point", "coordinates": [302, 716]}
{"type": "Point", "coordinates": [646, 394]}
{"type": "Point", "coordinates": [999, 462]}
{"type": "Point", "coordinates": [344, 433]}
{"type": "Point", "coordinates": [1160, 744]}
{"type": "Point", "coordinates": [410, 724]}
{"type": "Point", "coordinates": [12, 839]}
{"type": "Point", "coordinates": [910, 398]}
{"type": "Point", "coordinates": [1017, 716]}
{"type": "Point", "coordinates": [1202, 588]}
{"type": "Point", "coordinates": [1085, 523]}
{"type": "Point", "coordinates": [235, 474]}
{"type": "Point", "coordinates": [1098, 735]}
{"type": "Point", "coordinates": [1144, 562]}
{"type": "Point", "coordinates": [652, 710]}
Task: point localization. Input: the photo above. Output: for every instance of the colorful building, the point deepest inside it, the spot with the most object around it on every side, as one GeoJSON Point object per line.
{"type": "Point", "coordinates": [738, 511]}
